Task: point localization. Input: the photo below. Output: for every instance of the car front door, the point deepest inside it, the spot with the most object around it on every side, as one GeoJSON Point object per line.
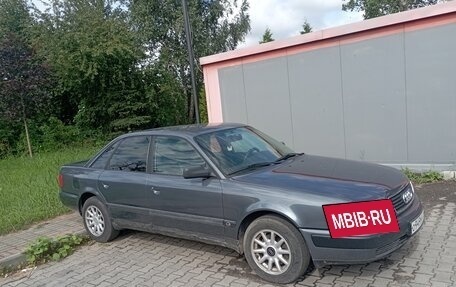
{"type": "Point", "coordinates": [123, 183]}
{"type": "Point", "coordinates": [190, 205]}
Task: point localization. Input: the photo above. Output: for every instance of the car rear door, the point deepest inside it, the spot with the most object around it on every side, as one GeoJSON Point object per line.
{"type": "Point", "coordinates": [123, 183]}
{"type": "Point", "coordinates": [190, 205]}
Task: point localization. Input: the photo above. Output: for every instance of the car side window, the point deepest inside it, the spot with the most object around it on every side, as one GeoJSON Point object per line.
{"type": "Point", "coordinates": [172, 155]}
{"type": "Point", "coordinates": [131, 155]}
{"type": "Point", "coordinates": [102, 160]}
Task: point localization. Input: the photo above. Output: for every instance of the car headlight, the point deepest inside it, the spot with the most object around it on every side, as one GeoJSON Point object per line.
{"type": "Point", "coordinates": [411, 185]}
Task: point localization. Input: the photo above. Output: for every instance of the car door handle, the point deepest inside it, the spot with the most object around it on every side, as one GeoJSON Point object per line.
{"type": "Point", "coordinates": [156, 191]}
{"type": "Point", "coordinates": [105, 186]}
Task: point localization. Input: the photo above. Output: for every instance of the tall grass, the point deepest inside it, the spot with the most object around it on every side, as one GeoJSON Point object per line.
{"type": "Point", "coordinates": [28, 187]}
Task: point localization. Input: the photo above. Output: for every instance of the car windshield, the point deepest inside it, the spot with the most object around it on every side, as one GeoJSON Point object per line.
{"type": "Point", "coordinates": [243, 148]}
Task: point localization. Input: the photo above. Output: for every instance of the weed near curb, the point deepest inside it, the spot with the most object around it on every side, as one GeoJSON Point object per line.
{"type": "Point", "coordinates": [42, 250]}
{"type": "Point", "coordinates": [422, 177]}
{"type": "Point", "coordinates": [46, 249]}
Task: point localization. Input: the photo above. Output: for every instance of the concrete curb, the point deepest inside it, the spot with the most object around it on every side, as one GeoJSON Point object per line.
{"type": "Point", "coordinates": [12, 262]}
{"type": "Point", "coordinates": [16, 260]}
{"type": "Point", "coordinates": [448, 175]}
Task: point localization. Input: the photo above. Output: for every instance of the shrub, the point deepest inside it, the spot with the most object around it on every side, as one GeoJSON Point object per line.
{"type": "Point", "coordinates": [55, 135]}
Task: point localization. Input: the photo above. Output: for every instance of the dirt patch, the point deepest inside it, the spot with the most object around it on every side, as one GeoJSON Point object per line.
{"type": "Point", "coordinates": [432, 194]}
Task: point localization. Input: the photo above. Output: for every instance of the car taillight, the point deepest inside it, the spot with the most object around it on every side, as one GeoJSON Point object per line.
{"type": "Point", "coordinates": [60, 180]}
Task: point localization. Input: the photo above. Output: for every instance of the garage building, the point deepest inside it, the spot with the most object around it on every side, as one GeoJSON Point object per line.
{"type": "Point", "coordinates": [380, 90]}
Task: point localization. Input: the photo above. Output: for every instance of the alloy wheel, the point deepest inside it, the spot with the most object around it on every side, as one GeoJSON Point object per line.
{"type": "Point", "coordinates": [271, 252]}
{"type": "Point", "coordinates": [95, 220]}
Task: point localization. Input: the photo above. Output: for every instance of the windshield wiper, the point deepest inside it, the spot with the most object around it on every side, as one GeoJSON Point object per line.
{"type": "Point", "coordinates": [287, 156]}
{"type": "Point", "coordinates": [252, 166]}
{"type": "Point", "coordinates": [261, 164]}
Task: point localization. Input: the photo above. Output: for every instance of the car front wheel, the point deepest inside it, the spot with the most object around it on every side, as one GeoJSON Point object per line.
{"type": "Point", "coordinates": [97, 221]}
{"type": "Point", "coordinates": [275, 250]}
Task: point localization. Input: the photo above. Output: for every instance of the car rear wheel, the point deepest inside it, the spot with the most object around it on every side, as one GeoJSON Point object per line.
{"type": "Point", "coordinates": [97, 221]}
{"type": "Point", "coordinates": [275, 250]}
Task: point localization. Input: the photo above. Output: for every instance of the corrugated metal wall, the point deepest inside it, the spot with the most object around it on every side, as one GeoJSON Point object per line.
{"type": "Point", "coordinates": [389, 99]}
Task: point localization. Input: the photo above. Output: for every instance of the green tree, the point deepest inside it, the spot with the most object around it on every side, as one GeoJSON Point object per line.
{"type": "Point", "coordinates": [95, 55]}
{"type": "Point", "coordinates": [14, 17]}
{"type": "Point", "coordinates": [267, 36]}
{"type": "Point", "coordinates": [376, 8]}
{"type": "Point", "coordinates": [24, 79]}
{"type": "Point", "coordinates": [306, 28]}
{"type": "Point", "coordinates": [217, 26]}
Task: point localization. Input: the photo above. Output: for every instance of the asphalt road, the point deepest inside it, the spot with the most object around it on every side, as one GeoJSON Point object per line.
{"type": "Point", "coordinates": [141, 259]}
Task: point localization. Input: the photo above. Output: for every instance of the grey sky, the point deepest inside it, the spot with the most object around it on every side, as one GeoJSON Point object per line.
{"type": "Point", "coordinates": [285, 17]}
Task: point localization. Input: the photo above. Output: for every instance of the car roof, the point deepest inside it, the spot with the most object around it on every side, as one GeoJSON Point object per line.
{"type": "Point", "coordinates": [187, 130]}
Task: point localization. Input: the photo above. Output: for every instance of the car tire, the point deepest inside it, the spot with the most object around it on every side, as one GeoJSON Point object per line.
{"type": "Point", "coordinates": [97, 221]}
{"type": "Point", "coordinates": [275, 249]}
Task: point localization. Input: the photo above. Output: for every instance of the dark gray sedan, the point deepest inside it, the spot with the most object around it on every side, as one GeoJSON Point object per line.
{"type": "Point", "coordinates": [232, 185]}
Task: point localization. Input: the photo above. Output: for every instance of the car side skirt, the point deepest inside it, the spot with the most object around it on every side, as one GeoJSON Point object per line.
{"type": "Point", "coordinates": [177, 233]}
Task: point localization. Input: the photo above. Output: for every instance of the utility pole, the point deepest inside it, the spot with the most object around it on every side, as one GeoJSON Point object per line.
{"type": "Point", "coordinates": [190, 59]}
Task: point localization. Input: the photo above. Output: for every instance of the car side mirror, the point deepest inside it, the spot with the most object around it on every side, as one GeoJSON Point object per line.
{"type": "Point", "coordinates": [197, 172]}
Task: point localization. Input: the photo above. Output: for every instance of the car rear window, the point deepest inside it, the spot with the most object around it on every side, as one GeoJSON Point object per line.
{"type": "Point", "coordinates": [102, 160]}
{"type": "Point", "coordinates": [131, 155]}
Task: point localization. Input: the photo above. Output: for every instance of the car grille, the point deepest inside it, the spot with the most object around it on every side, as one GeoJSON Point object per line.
{"type": "Point", "coordinates": [398, 202]}
{"type": "Point", "coordinates": [392, 245]}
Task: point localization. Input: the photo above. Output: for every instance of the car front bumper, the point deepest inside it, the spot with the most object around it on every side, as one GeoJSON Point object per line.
{"type": "Point", "coordinates": [362, 249]}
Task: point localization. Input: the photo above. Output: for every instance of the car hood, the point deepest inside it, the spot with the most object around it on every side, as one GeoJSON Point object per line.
{"type": "Point", "coordinates": [339, 179]}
